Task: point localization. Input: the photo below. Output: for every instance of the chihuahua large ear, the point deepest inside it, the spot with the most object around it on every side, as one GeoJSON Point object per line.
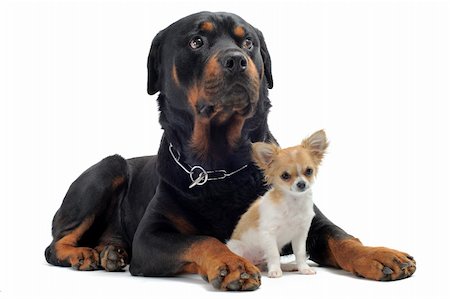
{"type": "Point", "coordinates": [266, 59]}
{"type": "Point", "coordinates": [317, 144]}
{"type": "Point", "coordinates": [263, 153]}
{"type": "Point", "coordinates": [154, 65]}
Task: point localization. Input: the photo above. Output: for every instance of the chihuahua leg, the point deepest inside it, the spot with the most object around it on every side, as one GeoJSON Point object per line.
{"type": "Point", "coordinates": [299, 247]}
{"type": "Point", "coordinates": [272, 257]}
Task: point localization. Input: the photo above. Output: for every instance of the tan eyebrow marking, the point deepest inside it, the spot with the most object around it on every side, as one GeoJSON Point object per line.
{"type": "Point", "coordinates": [175, 75]}
{"type": "Point", "coordinates": [239, 31]}
{"type": "Point", "coordinates": [207, 26]}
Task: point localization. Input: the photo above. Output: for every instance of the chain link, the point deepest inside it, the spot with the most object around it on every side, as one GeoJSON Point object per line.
{"type": "Point", "coordinates": [203, 175]}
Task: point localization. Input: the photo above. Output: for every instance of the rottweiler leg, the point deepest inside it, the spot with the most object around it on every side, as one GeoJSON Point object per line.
{"type": "Point", "coordinates": [217, 264]}
{"type": "Point", "coordinates": [80, 258]}
{"type": "Point", "coordinates": [377, 263]}
{"type": "Point", "coordinates": [168, 254]}
{"type": "Point", "coordinates": [330, 245]}
{"type": "Point", "coordinates": [113, 258]}
{"type": "Point", "coordinates": [167, 243]}
{"type": "Point", "coordinates": [112, 248]}
{"type": "Point", "coordinates": [83, 216]}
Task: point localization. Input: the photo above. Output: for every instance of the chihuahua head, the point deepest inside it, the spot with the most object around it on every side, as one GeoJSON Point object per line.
{"type": "Point", "coordinates": [291, 169]}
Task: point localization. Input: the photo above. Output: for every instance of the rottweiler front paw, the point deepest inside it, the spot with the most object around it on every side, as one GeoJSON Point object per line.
{"type": "Point", "coordinates": [84, 259]}
{"type": "Point", "coordinates": [377, 263]}
{"type": "Point", "coordinates": [113, 258]}
{"type": "Point", "coordinates": [385, 264]}
{"type": "Point", "coordinates": [233, 273]}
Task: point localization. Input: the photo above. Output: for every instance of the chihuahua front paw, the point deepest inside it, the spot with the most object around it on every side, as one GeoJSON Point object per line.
{"type": "Point", "coordinates": [306, 270]}
{"type": "Point", "coordinates": [274, 273]}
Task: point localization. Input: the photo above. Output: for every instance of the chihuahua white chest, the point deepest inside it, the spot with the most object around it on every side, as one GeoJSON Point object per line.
{"type": "Point", "coordinates": [285, 218]}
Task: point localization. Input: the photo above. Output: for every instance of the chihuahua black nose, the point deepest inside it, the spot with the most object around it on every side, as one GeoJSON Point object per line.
{"type": "Point", "coordinates": [235, 62]}
{"type": "Point", "coordinates": [301, 186]}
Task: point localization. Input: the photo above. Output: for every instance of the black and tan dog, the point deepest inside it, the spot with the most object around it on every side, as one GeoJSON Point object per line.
{"type": "Point", "coordinates": [171, 213]}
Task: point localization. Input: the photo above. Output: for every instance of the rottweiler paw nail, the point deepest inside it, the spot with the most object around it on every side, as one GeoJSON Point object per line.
{"type": "Point", "coordinates": [256, 276]}
{"type": "Point", "coordinates": [387, 271]}
{"type": "Point", "coordinates": [245, 276]}
{"type": "Point", "coordinates": [234, 285]}
{"type": "Point", "coordinates": [216, 282]}
{"type": "Point", "coordinates": [403, 266]}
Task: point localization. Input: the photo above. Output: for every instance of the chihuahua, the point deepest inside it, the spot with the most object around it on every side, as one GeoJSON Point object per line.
{"type": "Point", "coordinates": [284, 213]}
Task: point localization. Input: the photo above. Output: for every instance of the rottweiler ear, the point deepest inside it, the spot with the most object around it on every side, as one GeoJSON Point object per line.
{"type": "Point", "coordinates": [266, 59]}
{"type": "Point", "coordinates": [154, 64]}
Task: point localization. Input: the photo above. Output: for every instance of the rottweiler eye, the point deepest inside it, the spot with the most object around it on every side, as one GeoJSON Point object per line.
{"type": "Point", "coordinates": [285, 176]}
{"type": "Point", "coordinates": [309, 171]}
{"type": "Point", "coordinates": [196, 42]}
{"type": "Point", "coordinates": [247, 44]}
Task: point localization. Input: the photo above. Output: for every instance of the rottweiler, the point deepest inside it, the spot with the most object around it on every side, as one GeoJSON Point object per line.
{"type": "Point", "coordinates": [171, 213]}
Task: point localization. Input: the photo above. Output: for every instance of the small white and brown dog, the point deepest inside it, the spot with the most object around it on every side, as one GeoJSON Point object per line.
{"type": "Point", "coordinates": [284, 213]}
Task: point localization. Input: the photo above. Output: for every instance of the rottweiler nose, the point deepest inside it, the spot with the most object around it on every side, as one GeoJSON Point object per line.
{"type": "Point", "coordinates": [235, 62]}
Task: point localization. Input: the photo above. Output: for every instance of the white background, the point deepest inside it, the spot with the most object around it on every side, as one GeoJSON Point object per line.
{"type": "Point", "coordinates": [374, 75]}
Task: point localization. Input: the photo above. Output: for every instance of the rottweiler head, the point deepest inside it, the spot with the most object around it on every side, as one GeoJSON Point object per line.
{"type": "Point", "coordinates": [212, 70]}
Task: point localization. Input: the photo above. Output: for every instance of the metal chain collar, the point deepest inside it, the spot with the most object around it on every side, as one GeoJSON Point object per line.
{"type": "Point", "coordinates": [198, 175]}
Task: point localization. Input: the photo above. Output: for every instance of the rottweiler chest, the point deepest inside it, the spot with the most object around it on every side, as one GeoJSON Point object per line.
{"type": "Point", "coordinates": [217, 214]}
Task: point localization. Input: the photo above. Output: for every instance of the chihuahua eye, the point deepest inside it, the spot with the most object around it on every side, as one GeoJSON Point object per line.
{"type": "Point", "coordinates": [196, 42]}
{"type": "Point", "coordinates": [285, 176]}
{"type": "Point", "coordinates": [309, 171]}
{"type": "Point", "coordinates": [247, 44]}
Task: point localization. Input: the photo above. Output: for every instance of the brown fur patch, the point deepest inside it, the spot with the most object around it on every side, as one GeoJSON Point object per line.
{"type": "Point", "coordinates": [175, 75]}
{"type": "Point", "coordinates": [190, 268]}
{"type": "Point", "coordinates": [249, 219]}
{"type": "Point", "coordinates": [74, 236]}
{"type": "Point", "coordinates": [117, 181]}
{"type": "Point", "coordinates": [252, 69]}
{"type": "Point", "coordinates": [193, 94]}
{"type": "Point", "coordinates": [200, 137]}
{"type": "Point", "coordinates": [276, 196]}
{"type": "Point", "coordinates": [181, 224]}
{"type": "Point", "coordinates": [211, 258]}
{"type": "Point", "coordinates": [99, 248]}
{"type": "Point", "coordinates": [207, 26]}
{"type": "Point", "coordinates": [235, 129]}
{"type": "Point", "coordinates": [196, 92]}
{"type": "Point", "coordinates": [255, 79]}
{"type": "Point", "coordinates": [66, 250]}
{"type": "Point", "coordinates": [351, 255]}
{"type": "Point", "coordinates": [341, 251]}
{"type": "Point", "coordinates": [239, 31]}
{"type": "Point", "coordinates": [212, 68]}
